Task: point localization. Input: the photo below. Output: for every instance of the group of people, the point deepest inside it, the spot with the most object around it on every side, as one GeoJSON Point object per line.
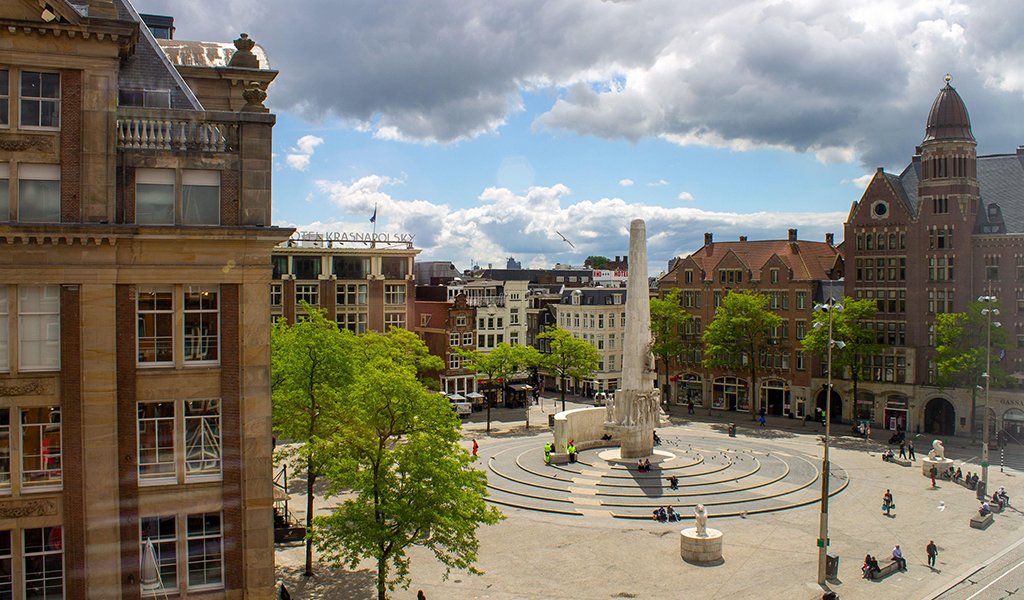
{"type": "Point", "coordinates": [643, 465]}
{"type": "Point", "coordinates": [1000, 498]}
{"type": "Point", "coordinates": [662, 515]}
{"type": "Point", "coordinates": [870, 566]}
{"type": "Point", "coordinates": [570, 449]}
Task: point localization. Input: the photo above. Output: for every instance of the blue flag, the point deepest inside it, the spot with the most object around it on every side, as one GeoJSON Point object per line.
{"type": "Point", "coordinates": [373, 219]}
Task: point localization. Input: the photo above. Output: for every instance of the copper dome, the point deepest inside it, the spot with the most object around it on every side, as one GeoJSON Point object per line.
{"type": "Point", "coordinates": [948, 118]}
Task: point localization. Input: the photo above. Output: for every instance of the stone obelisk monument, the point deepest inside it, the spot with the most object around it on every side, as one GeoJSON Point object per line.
{"type": "Point", "coordinates": [635, 411]}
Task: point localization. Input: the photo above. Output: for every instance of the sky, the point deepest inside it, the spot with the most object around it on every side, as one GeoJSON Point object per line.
{"type": "Point", "coordinates": [491, 129]}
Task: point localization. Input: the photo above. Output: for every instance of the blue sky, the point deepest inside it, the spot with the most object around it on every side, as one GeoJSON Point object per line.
{"type": "Point", "coordinates": [486, 129]}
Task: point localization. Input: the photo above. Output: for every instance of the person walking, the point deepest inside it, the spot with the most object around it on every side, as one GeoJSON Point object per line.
{"type": "Point", "coordinates": [933, 472]}
{"type": "Point", "coordinates": [932, 553]}
{"type": "Point", "coordinates": [903, 450]}
{"type": "Point", "coordinates": [475, 447]}
{"type": "Point", "coordinates": [762, 419]}
{"type": "Point", "coordinates": [689, 407]}
{"type": "Point", "coordinates": [910, 450]}
{"type": "Point", "coordinates": [420, 595]}
{"type": "Point", "coordinates": [897, 557]}
{"type": "Point", "coordinates": [887, 504]}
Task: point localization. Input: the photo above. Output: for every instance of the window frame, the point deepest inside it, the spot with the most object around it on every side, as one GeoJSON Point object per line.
{"type": "Point", "coordinates": [161, 477]}
{"type": "Point", "coordinates": [188, 290]}
{"type": "Point", "coordinates": [201, 178]}
{"type": "Point", "coordinates": [203, 419]}
{"type": "Point", "coordinates": [205, 535]}
{"type": "Point", "coordinates": [156, 343]}
{"type": "Point", "coordinates": [157, 177]}
{"type": "Point", "coordinates": [5, 328]}
{"type": "Point", "coordinates": [5, 95]}
{"type": "Point", "coordinates": [22, 329]}
{"type": "Point", "coordinates": [159, 543]}
{"type": "Point", "coordinates": [40, 99]}
{"type": "Point", "coordinates": [44, 485]}
{"type": "Point", "coordinates": [43, 552]}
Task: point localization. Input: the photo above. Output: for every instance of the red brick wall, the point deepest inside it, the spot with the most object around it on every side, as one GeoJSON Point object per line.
{"type": "Point", "coordinates": [71, 440]}
{"type": "Point", "coordinates": [231, 396]}
{"type": "Point", "coordinates": [288, 300]}
{"type": "Point", "coordinates": [229, 198]}
{"type": "Point", "coordinates": [71, 146]}
{"type": "Point", "coordinates": [127, 433]}
{"type": "Point", "coordinates": [329, 298]}
{"type": "Point", "coordinates": [125, 195]}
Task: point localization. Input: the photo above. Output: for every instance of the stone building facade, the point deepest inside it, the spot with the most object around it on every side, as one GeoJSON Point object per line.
{"type": "Point", "coordinates": [598, 316]}
{"type": "Point", "coordinates": [929, 241]}
{"type": "Point", "coordinates": [363, 286]}
{"type": "Point", "coordinates": [793, 274]}
{"type": "Point", "coordinates": [134, 329]}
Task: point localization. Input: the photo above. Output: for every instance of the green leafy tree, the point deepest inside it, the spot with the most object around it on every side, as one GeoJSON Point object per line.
{"type": "Point", "coordinates": [850, 327]}
{"type": "Point", "coordinates": [569, 357]}
{"type": "Point", "coordinates": [501, 364]}
{"type": "Point", "coordinates": [406, 480]}
{"type": "Point", "coordinates": [598, 262]}
{"type": "Point", "coordinates": [668, 323]}
{"type": "Point", "coordinates": [310, 366]}
{"type": "Point", "coordinates": [734, 339]}
{"type": "Point", "coordinates": [960, 351]}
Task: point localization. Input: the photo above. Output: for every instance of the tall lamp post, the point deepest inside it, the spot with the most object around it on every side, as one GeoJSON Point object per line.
{"type": "Point", "coordinates": [987, 312]}
{"type": "Point", "coordinates": [831, 307]}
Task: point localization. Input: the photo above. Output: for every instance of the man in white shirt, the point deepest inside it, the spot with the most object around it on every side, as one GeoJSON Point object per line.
{"type": "Point", "coordinates": [897, 555]}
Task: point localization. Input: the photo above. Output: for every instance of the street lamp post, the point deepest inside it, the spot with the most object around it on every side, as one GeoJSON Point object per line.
{"type": "Point", "coordinates": [830, 307]}
{"type": "Point", "coordinates": [987, 312]}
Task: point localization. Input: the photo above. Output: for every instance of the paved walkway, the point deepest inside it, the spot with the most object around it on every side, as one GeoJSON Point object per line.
{"type": "Point", "coordinates": [535, 554]}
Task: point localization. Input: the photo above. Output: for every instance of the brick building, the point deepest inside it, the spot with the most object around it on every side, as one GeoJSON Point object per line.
{"type": "Point", "coordinates": [928, 241]}
{"type": "Point", "coordinates": [362, 285]}
{"type": "Point", "coordinates": [134, 356]}
{"type": "Point", "coordinates": [793, 274]}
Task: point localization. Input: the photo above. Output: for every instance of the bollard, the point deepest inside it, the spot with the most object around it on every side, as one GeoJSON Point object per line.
{"type": "Point", "coordinates": [732, 430]}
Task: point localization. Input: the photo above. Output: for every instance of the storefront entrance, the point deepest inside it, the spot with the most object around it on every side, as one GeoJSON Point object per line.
{"type": "Point", "coordinates": [837, 406]}
{"type": "Point", "coordinates": [690, 389]}
{"type": "Point", "coordinates": [1013, 426]}
{"type": "Point", "coordinates": [896, 412]}
{"type": "Point", "coordinates": [939, 417]}
{"type": "Point", "coordinates": [729, 393]}
{"type": "Point", "coordinates": [773, 396]}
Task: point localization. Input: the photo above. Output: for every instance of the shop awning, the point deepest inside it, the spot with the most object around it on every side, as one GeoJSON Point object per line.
{"type": "Point", "coordinates": [521, 387]}
{"type": "Point", "coordinates": [456, 397]}
{"type": "Point", "coordinates": [474, 395]}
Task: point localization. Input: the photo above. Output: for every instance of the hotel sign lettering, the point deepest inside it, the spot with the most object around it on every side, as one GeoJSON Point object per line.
{"type": "Point", "coordinates": [344, 236]}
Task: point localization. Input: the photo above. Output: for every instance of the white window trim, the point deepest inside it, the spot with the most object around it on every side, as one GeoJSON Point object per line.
{"type": "Point", "coordinates": [174, 317]}
{"type": "Point", "coordinates": [21, 313]}
{"type": "Point", "coordinates": [220, 347]}
{"type": "Point", "coordinates": [25, 488]}
{"type": "Point", "coordinates": [208, 586]}
{"type": "Point", "coordinates": [59, 99]}
{"type": "Point", "coordinates": [219, 475]}
{"type": "Point", "coordinates": [163, 479]}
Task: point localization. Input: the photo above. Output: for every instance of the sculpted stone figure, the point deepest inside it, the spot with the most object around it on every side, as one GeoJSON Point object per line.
{"type": "Point", "coordinates": [701, 515]}
{"type": "Point", "coordinates": [938, 451]}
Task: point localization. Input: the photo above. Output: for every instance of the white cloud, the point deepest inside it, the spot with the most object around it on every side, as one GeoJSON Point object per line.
{"type": "Point", "coordinates": [657, 183]}
{"type": "Point", "coordinates": [626, 182]}
{"type": "Point", "coordinates": [860, 182]}
{"type": "Point", "coordinates": [505, 223]}
{"type": "Point", "coordinates": [299, 156]}
{"type": "Point", "coordinates": [685, 196]}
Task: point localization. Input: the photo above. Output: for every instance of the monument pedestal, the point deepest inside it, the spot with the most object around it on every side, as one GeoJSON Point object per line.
{"type": "Point", "coordinates": [941, 465]}
{"type": "Point", "coordinates": [700, 549]}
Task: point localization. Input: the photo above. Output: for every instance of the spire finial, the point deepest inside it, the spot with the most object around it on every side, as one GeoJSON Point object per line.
{"type": "Point", "coordinates": [948, 78]}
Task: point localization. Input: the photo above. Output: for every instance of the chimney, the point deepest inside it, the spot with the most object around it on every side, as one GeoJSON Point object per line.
{"type": "Point", "coordinates": [792, 235]}
{"type": "Point", "coordinates": [707, 239]}
{"type": "Point", "coordinates": [830, 239]}
{"type": "Point", "coordinates": [743, 238]}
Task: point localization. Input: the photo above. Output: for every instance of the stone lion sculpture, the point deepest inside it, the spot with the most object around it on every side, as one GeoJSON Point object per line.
{"type": "Point", "coordinates": [701, 515]}
{"type": "Point", "coordinates": [938, 451]}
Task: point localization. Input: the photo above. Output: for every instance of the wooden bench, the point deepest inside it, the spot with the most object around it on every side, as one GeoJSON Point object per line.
{"type": "Point", "coordinates": [885, 571]}
{"type": "Point", "coordinates": [980, 522]}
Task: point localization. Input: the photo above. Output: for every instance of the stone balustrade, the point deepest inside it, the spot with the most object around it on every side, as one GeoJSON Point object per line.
{"type": "Point", "coordinates": [176, 130]}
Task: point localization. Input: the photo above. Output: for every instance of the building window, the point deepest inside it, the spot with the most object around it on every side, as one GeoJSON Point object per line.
{"type": "Point", "coordinates": [718, 298]}
{"type": "Point", "coordinates": [308, 293]}
{"type": "Point", "coordinates": [306, 267]}
{"type": "Point", "coordinates": [200, 197]}
{"type": "Point", "coordinates": [688, 276]}
{"type": "Point", "coordinates": [40, 99]}
{"type": "Point", "coordinates": [205, 551]}
{"type": "Point", "coordinates": [467, 338]}
{"type": "Point", "coordinates": [774, 275]}
{"type": "Point", "coordinates": [461, 321]}
{"type": "Point", "coordinates": [940, 206]}
{"type": "Point", "coordinates": [394, 294]}
{"type": "Point", "coordinates": [801, 362]}
{"type": "Point", "coordinates": [394, 319]}
{"type": "Point", "coordinates": [38, 193]}
{"type": "Point", "coordinates": [611, 319]}
{"type": "Point", "coordinates": [5, 104]}
{"type": "Point", "coordinates": [276, 294]}
{"type": "Point", "coordinates": [513, 317]}
{"type": "Point", "coordinates": [992, 267]}
{"type": "Point", "coordinates": [202, 438]}
{"type": "Point", "coordinates": [454, 361]}
{"type": "Point", "coordinates": [155, 315]}
{"type": "Point", "coordinates": [154, 196]}
{"type": "Point", "coordinates": [163, 533]}
{"type": "Point", "coordinates": [353, 321]}
{"type": "Point", "coordinates": [156, 441]}
{"type": "Point", "coordinates": [39, 328]}
{"type": "Point", "coordinates": [6, 565]}
{"type": "Point", "coordinates": [351, 267]}
{"type": "Point", "coordinates": [801, 329]}
{"type": "Point", "coordinates": [5, 192]}
{"type": "Point", "coordinates": [5, 462]}
{"type": "Point", "coordinates": [40, 447]}
{"type": "Point", "coordinates": [202, 324]}
{"type": "Point", "coordinates": [801, 300]}
{"type": "Point", "coordinates": [5, 315]}
{"type": "Point", "coordinates": [453, 339]}
{"type": "Point", "coordinates": [354, 294]}
{"type": "Point", "coordinates": [394, 267]}
{"type": "Point", "coordinates": [44, 563]}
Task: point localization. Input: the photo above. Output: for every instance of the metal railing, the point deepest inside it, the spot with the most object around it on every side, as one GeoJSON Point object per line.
{"type": "Point", "coordinates": [162, 129]}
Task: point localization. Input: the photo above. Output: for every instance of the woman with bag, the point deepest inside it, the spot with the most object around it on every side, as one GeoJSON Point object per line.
{"type": "Point", "coordinates": [887, 503]}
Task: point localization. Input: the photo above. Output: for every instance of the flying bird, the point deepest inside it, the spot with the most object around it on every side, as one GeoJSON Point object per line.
{"type": "Point", "coordinates": [565, 240]}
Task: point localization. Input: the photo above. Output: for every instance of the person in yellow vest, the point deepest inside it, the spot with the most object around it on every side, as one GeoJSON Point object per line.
{"type": "Point", "coordinates": [547, 453]}
{"type": "Point", "coordinates": [572, 452]}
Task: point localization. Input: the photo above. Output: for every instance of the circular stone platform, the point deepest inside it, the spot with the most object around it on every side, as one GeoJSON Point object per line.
{"type": "Point", "coordinates": [613, 455]}
{"type": "Point", "coordinates": [703, 549]}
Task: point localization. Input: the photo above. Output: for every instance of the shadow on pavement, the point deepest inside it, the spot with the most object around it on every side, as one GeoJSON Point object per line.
{"type": "Point", "coordinates": [328, 583]}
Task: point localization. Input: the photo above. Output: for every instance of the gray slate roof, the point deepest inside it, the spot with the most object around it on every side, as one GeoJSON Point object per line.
{"type": "Point", "coordinates": [1000, 179]}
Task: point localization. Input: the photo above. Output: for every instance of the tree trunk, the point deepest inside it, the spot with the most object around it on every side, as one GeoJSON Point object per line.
{"type": "Point", "coordinates": [310, 480]}
{"type": "Point", "coordinates": [563, 392]}
{"type": "Point", "coordinates": [382, 572]}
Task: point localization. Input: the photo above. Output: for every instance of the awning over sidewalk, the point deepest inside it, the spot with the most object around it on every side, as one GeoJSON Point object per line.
{"type": "Point", "coordinates": [456, 397]}
{"type": "Point", "coordinates": [474, 395]}
{"type": "Point", "coordinates": [521, 387]}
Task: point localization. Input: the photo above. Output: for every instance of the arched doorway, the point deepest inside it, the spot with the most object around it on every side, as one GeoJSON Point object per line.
{"type": "Point", "coordinates": [939, 417]}
{"type": "Point", "coordinates": [773, 396]}
{"type": "Point", "coordinates": [836, 408]}
{"type": "Point", "coordinates": [1013, 426]}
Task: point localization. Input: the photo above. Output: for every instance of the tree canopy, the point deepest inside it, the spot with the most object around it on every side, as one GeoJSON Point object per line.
{"type": "Point", "coordinates": [598, 262]}
{"type": "Point", "coordinates": [960, 350]}
{"type": "Point", "coordinates": [734, 339]}
{"type": "Point", "coordinates": [848, 326]}
{"type": "Point", "coordinates": [406, 480]}
{"type": "Point", "coordinates": [569, 357]}
{"type": "Point", "coordinates": [668, 326]}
